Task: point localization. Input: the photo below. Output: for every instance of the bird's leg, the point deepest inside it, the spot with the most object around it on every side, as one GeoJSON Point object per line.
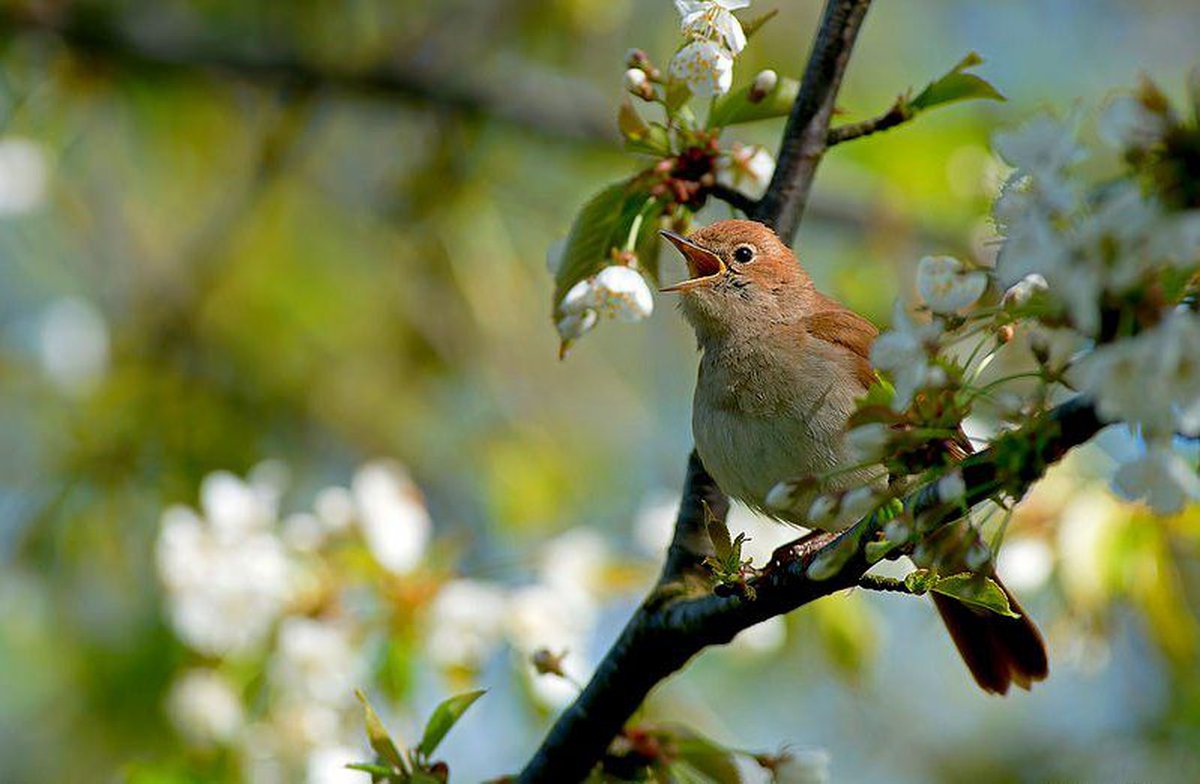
{"type": "Point", "coordinates": [799, 548]}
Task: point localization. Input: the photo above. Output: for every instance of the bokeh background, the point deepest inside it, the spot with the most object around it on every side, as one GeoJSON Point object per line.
{"type": "Point", "coordinates": [314, 234]}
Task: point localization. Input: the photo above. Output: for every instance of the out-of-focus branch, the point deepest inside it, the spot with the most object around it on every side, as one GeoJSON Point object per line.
{"type": "Point", "coordinates": [897, 115]}
{"type": "Point", "coordinates": [534, 100]}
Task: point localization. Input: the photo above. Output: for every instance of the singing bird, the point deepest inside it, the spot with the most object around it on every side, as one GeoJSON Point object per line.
{"type": "Point", "coordinates": [781, 369]}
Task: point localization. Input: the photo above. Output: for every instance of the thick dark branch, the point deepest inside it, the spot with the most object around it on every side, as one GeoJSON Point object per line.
{"type": "Point", "coordinates": [897, 115]}
{"type": "Point", "coordinates": [804, 139]}
{"type": "Point", "coordinates": [673, 626]}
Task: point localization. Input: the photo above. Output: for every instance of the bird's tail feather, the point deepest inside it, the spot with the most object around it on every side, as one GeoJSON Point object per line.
{"type": "Point", "coordinates": [998, 650]}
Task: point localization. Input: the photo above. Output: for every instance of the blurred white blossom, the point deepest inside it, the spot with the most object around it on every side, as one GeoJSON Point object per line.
{"type": "Point", "coordinates": [746, 167]}
{"type": "Point", "coordinates": [335, 507]}
{"type": "Point", "coordinates": [802, 767]}
{"type": "Point", "coordinates": [575, 562]}
{"type": "Point", "coordinates": [316, 661]}
{"type": "Point", "coordinates": [73, 343]}
{"type": "Point", "coordinates": [946, 285]}
{"type": "Point", "coordinates": [654, 522]}
{"type": "Point", "coordinates": [705, 67]}
{"type": "Point", "coordinates": [23, 175]}
{"type": "Point", "coordinates": [1151, 379]}
{"type": "Point", "coordinates": [1126, 122]}
{"type": "Point", "coordinates": [205, 708]}
{"type": "Point", "coordinates": [225, 586]}
{"type": "Point", "coordinates": [1025, 563]}
{"type": "Point", "coordinates": [392, 515]}
{"type": "Point", "coordinates": [904, 353]}
{"type": "Point", "coordinates": [327, 765]}
{"type": "Point", "coordinates": [762, 638]}
{"type": "Point", "coordinates": [466, 623]}
{"type": "Point", "coordinates": [1161, 476]}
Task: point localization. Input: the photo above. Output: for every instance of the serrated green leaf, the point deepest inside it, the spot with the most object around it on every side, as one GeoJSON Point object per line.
{"type": "Point", "coordinates": [444, 717]}
{"type": "Point", "coordinates": [977, 591]}
{"type": "Point", "coordinates": [956, 85]}
{"type": "Point", "coordinates": [378, 736]}
{"type": "Point", "coordinates": [602, 224]}
{"type": "Point", "coordinates": [735, 107]}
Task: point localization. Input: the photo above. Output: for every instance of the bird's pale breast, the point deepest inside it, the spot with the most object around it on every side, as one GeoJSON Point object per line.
{"type": "Point", "coordinates": [760, 417]}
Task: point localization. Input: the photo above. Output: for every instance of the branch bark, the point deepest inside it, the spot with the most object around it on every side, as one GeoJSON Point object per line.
{"type": "Point", "coordinates": [897, 115]}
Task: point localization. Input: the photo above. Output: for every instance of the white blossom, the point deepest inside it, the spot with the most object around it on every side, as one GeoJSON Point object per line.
{"type": "Point", "coordinates": [1126, 122]}
{"type": "Point", "coordinates": [946, 285]}
{"type": "Point", "coordinates": [466, 623]}
{"type": "Point", "coordinates": [1041, 146]}
{"type": "Point", "coordinates": [204, 707]}
{"type": "Point", "coordinates": [23, 175]}
{"type": "Point", "coordinates": [747, 168]}
{"type": "Point", "coordinates": [1161, 476]}
{"type": "Point", "coordinates": [824, 509]}
{"type": "Point", "coordinates": [316, 661]}
{"type": "Point", "coordinates": [635, 80]}
{"type": "Point", "coordinates": [765, 82]}
{"type": "Point", "coordinates": [866, 443]}
{"type": "Point", "coordinates": [573, 326]}
{"type": "Point", "coordinates": [392, 515]}
{"type": "Point", "coordinates": [233, 507]}
{"type": "Point", "coordinates": [327, 765]}
{"type": "Point", "coordinates": [713, 20]}
{"type": "Point", "coordinates": [224, 591]}
{"type": "Point", "coordinates": [706, 68]}
{"type": "Point", "coordinates": [621, 293]}
{"type": "Point", "coordinates": [1152, 379]}
{"type": "Point", "coordinates": [73, 343]}
{"type": "Point", "coordinates": [802, 767]}
{"type": "Point", "coordinates": [335, 507]}
{"type": "Point", "coordinates": [903, 352]}
{"type": "Point", "coordinates": [1025, 563]}
{"type": "Point", "coordinates": [575, 561]}
{"type": "Point", "coordinates": [1021, 292]}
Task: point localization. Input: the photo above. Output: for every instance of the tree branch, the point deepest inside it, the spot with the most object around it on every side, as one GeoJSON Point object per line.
{"type": "Point", "coordinates": [667, 631]}
{"type": "Point", "coordinates": [897, 115]}
{"type": "Point", "coordinates": [804, 138]}
{"type": "Point", "coordinates": [734, 198]}
{"type": "Point", "coordinates": [663, 634]}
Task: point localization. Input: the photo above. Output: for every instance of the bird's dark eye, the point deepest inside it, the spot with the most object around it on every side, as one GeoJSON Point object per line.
{"type": "Point", "coordinates": [743, 254]}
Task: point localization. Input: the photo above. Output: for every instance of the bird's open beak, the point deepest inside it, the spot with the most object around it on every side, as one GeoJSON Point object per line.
{"type": "Point", "coordinates": [703, 264]}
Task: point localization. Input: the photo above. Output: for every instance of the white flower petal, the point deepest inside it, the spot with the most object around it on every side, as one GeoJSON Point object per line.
{"type": "Point", "coordinates": [706, 68]}
{"type": "Point", "coordinates": [946, 286]}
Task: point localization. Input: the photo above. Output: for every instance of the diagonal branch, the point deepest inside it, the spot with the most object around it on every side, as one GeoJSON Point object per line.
{"type": "Point", "coordinates": [666, 632]}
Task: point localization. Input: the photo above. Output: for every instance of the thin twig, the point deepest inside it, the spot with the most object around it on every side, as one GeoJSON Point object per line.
{"type": "Point", "coordinates": [897, 115]}
{"type": "Point", "coordinates": [734, 198]}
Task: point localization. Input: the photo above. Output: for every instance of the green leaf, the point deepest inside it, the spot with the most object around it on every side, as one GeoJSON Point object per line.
{"type": "Point", "coordinates": [956, 85]}
{"type": "Point", "coordinates": [378, 736]}
{"type": "Point", "coordinates": [444, 717]}
{"type": "Point", "coordinates": [602, 224]}
{"type": "Point", "coordinates": [736, 107]}
{"type": "Point", "coordinates": [718, 534]}
{"type": "Point", "coordinates": [381, 771]}
{"type": "Point", "coordinates": [977, 591]}
{"type": "Point", "coordinates": [920, 581]}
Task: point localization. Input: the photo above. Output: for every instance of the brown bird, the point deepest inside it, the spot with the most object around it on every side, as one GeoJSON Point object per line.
{"type": "Point", "coordinates": [781, 369]}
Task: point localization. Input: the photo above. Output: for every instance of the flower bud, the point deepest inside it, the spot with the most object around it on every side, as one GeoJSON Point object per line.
{"type": "Point", "coordinates": [764, 83]}
{"type": "Point", "coordinates": [1024, 290]}
{"type": "Point", "coordinates": [823, 510]}
{"type": "Point", "coordinates": [637, 83]}
{"type": "Point", "coordinates": [1005, 332]}
{"type": "Point", "coordinates": [637, 58]}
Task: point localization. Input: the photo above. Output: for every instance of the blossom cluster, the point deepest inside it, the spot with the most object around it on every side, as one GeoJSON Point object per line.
{"type": "Point", "coordinates": [1093, 292]}
{"type": "Point", "coordinates": [715, 38]}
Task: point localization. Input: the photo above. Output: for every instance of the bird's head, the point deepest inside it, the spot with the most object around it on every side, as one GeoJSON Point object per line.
{"type": "Point", "coordinates": [741, 273]}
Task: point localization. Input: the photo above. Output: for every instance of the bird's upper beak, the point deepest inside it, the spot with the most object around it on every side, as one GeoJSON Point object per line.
{"type": "Point", "coordinates": [703, 264]}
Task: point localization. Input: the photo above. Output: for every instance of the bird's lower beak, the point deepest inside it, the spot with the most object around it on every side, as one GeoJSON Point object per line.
{"type": "Point", "coordinates": [703, 264]}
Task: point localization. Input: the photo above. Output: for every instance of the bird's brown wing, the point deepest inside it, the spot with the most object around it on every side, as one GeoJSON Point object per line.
{"type": "Point", "coordinates": [840, 326]}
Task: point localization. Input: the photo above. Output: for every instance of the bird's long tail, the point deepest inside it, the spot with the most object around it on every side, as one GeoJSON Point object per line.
{"type": "Point", "coordinates": [998, 650]}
